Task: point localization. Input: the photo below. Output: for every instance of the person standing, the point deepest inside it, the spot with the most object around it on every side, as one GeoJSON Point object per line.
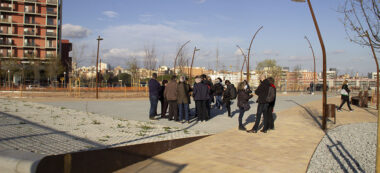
{"type": "Point", "coordinates": [170, 94]}
{"type": "Point", "coordinates": [345, 96]}
{"type": "Point", "coordinates": [201, 97]}
{"type": "Point", "coordinates": [183, 99]}
{"type": "Point", "coordinates": [272, 101]}
{"type": "Point", "coordinates": [163, 100]}
{"type": "Point", "coordinates": [209, 84]}
{"type": "Point", "coordinates": [229, 95]}
{"type": "Point", "coordinates": [262, 108]}
{"type": "Point", "coordinates": [243, 97]}
{"type": "Point", "coordinates": [218, 93]}
{"type": "Point", "coordinates": [154, 89]}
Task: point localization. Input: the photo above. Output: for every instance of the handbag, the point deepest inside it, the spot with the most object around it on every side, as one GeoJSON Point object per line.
{"type": "Point", "coordinates": [343, 92]}
{"type": "Point", "coordinates": [246, 107]}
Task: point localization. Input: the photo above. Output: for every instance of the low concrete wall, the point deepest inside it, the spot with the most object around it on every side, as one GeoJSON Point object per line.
{"type": "Point", "coordinates": [14, 161]}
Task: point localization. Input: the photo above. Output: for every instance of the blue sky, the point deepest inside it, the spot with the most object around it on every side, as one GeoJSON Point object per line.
{"type": "Point", "coordinates": [129, 25]}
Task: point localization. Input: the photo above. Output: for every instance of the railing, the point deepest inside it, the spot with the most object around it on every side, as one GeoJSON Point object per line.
{"type": "Point", "coordinates": [30, 55]}
{"type": "Point", "coordinates": [51, 34]}
{"type": "Point", "coordinates": [50, 56]}
{"type": "Point", "coordinates": [6, 8]}
{"type": "Point", "coordinates": [30, 44]}
{"type": "Point", "coordinates": [8, 20]}
{"type": "Point", "coordinates": [29, 32]}
{"type": "Point", "coordinates": [51, 23]}
{"type": "Point", "coordinates": [51, 46]}
{"type": "Point", "coordinates": [51, 12]}
{"type": "Point", "coordinates": [30, 22]}
{"type": "Point", "coordinates": [6, 43]}
{"type": "Point", "coordinates": [30, 0]}
{"type": "Point", "coordinates": [30, 11]}
{"type": "Point", "coordinates": [51, 2]}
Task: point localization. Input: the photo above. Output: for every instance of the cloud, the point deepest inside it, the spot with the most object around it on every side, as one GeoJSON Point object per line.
{"type": "Point", "coordinates": [339, 51]}
{"type": "Point", "coordinates": [145, 18]}
{"type": "Point", "coordinates": [299, 58]}
{"type": "Point", "coordinates": [270, 52]}
{"type": "Point", "coordinates": [75, 31]}
{"type": "Point", "coordinates": [122, 53]}
{"type": "Point", "coordinates": [201, 1]}
{"type": "Point", "coordinates": [110, 14]}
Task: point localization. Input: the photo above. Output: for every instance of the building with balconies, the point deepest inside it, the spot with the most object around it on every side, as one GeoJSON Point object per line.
{"type": "Point", "coordinates": [30, 30]}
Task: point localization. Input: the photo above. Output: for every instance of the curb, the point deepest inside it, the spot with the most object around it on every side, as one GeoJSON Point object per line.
{"type": "Point", "coordinates": [14, 161]}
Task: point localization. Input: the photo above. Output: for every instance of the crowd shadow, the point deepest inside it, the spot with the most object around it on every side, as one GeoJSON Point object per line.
{"type": "Point", "coordinates": [252, 119]}
{"type": "Point", "coordinates": [340, 149]}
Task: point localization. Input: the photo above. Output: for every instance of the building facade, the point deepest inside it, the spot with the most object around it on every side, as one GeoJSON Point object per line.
{"type": "Point", "coordinates": [30, 29]}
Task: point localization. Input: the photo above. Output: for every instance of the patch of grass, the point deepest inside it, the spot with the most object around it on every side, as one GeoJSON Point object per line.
{"type": "Point", "coordinates": [55, 117]}
{"type": "Point", "coordinates": [96, 122]}
{"type": "Point", "coordinates": [186, 131]}
{"type": "Point", "coordinates": [76, 129]}
{"type": "Point", "coordinates": [62, 108]}
{"type": "Point", "coordinates": [167, 129]}
{"type": "Point", "coordinates": [107, 136]}
{"type": "Point", "coordinates": [141, 133]}
{"type": "Point", "coordinates": [120, 126]}
{"type": "Point", "coordinates": [21, 122]}
{"type": "Point", "coordinates": [16, 110]}
{"type": "Point", "coordinates": [197, 132]}
{"type": "Point", "coordinates": [102, 140]}
{"type": "Point", "coordinates": [40, 107]}
{"type": "Point", "coordinates": [146, 127]}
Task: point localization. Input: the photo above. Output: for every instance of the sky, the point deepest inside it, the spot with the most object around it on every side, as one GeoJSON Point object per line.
{"type": "Point", "coordinates": [127, 26]}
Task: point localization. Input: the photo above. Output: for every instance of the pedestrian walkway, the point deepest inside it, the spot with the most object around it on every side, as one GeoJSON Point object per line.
{"type": "Point", "coordinates": [288, 148]}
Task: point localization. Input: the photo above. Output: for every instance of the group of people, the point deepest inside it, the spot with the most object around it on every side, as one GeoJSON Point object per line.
{"type": "Point", "coordinates": [176, 96]}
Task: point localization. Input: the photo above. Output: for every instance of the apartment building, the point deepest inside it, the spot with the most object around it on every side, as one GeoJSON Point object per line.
{"type": "Point", "coordinates": [30, 29]}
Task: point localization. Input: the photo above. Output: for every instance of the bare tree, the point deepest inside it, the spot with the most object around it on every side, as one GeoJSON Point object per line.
{"type": "Point", "coordinates": [217, 59]}
{"type": "Point", "coordinates": [297, 75]}
{"type": "Point", "coordinates": [361, 16]}
{"type": "Point", "coordinates": [182, 60]}
{"type": "Point", "coordinates": [270, 68]}
{"type": "Point", "coordinates": [77, 58]}
{"type": "Point", "coordinates": [150, 58]}
{"type": "Point", "coordinates": [133, 67]}
{"type": "Point", "coordinates": [53, 68]}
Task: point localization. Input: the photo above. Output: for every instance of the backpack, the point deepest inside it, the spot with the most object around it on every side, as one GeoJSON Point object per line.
{"type": "Point", "coordinates": [233, 92]}
{"type": "Point", "coordinates": [270, 97]}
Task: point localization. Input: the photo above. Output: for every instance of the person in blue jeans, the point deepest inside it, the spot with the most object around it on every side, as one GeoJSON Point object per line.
{"type": "Point", "coordinates": [242, 103]}
{"type": "Point", "coordinates": [154, 92]}
{"type": "Point", "coordinates": [218, 89]}
{"type": "Point", "coordinates": [183, 99]}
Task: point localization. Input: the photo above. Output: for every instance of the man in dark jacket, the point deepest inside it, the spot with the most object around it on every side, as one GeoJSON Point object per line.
{"type": "Point", "coordinates": [201, 97]}
{"type": "Point", "coordinates": [171, 95]}
{"type": "Point", "coordinates": [272, 102]}
{"type": "Point", "coordinates": [154, 90]}
{"type": "Point", "coordinates": [227, 96]}
{"type": "Point", "coordinates": [183, 99]}
{"type": "Point", "coordinates": [262, 108]}
{"type": "Point", "coordinates": [218, 93]}
{"type": "Point", "coordinates": [163, 100]}
{"type": "Point", "coordinates": [210, 87]}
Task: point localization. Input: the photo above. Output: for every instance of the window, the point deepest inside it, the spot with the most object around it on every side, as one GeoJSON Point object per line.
{"type": "Point", "coordinates": [50, 21]}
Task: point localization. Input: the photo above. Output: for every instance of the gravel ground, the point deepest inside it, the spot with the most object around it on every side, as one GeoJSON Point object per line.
{"type": "Point", "coordinates": [44, 129]}
{"type": "Point", "coordinates": [347, 148]}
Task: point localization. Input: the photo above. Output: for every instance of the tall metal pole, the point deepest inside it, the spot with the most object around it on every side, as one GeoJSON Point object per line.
{"type": "Point", "coordinates": [245, 60]}
{"type": "Point", "coordinates": [249, 53]}
{"type": "Point", "coordinates": [97, 72]}
{"type": "Point", "coordinates": [179, 51]}
{"type": "Point", "coordinates": [192, 62]}
{"type": "Point", "coordinates": [314, 74]}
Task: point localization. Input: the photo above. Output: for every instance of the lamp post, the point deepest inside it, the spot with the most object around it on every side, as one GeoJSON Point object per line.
{"type": "Point", "coordinates": [312, 51]}
{"type": "Point", "coordinates": [9, 80]}
{"type": "Point", "coordinates": [64, 79]}
{"type": "Point", "coordinates": [249, 53]}
{"type": "Point", "coordinates": [324, 96]}
{"type": "Point", "coordinates": [179, 51]}
{"type": "Point", "coordinates": [97, 72]}
{"type": "Point", "coordinates": [192, 61]}
{"type": "Point", "coordinates": [245, 59]}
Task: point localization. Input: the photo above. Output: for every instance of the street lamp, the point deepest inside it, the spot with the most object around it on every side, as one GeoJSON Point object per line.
{"type": "Point", "coordinates": [64, 79]}
{"type": "Point", "coordinates": [97, 72]}
{"type": "Point", "coordinates": [179, 51]}
{"type": "Point", "coordinates": [9, 80]}
{"type": "Point", "coordinates": [192, 61]}
{"type": "Point", "coordinates": [324, 96]}
{"type": "Point", "coordinates": [312, 51]}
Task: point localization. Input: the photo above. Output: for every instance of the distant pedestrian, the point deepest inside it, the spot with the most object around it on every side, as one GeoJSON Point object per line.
{"type": "Point", "coordinates": [206, 80]}
{"type": "Point", "coordinates": [229, 94]}
{"type": "Point", "coordinates": [171, 95]}
{"type": "Point", "coordinates": [163, 100]}
{"type": "Point", "coordinates": [271, 98]}
{"type": "Point", "coordinates": [262, 107]}
{"type": "Point", "coordinates": [201, 97]}
{"type": "Point", "coordinates": [183, 99]}
{"type": "Point", "coordinates": [243, 97]}
{"type": "Point", "coordinates": [218, 93]}
{"type": "Point", "coordinates": [154, 89]}
{"type": "Point", "coordinates": [345, 96]}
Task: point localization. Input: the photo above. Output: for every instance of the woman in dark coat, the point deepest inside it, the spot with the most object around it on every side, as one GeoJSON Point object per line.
{"type": "Point", "coordinates": [227, 96]}
{"type": "Point", "coordinates": [345, 96]}
{"type": "Point", "coordinates": [163, 101]}
{"type": "Point", "coordinates": [243, 97]}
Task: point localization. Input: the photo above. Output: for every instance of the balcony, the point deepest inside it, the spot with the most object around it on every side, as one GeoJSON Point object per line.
{"type": "Point", "coordinates": [6, 8]}
{"type": "Point", "coordinates": [51, 12]}
{"type": "Point", "coordinates": [29, 33]}
{"type": "Point", "coordinates": [8, 20]}
{"type": "Point", "coordinates": [7, 54]}
{"type": "Point", "coordinates": [51, 2]}
{"type": "Point", "coordinates": [30, 11]}
{"type": "Point", "coordinates": [6, 43]}
{"type": "Point", "coordinates": [49, 56]}
{"type": "Point", "coordinates": [51, 34]}
{"type": "Point", "coordinates": [5, 32]}
{"type": "Point", "coordinates": [30, 44]}
{"type": "Point", "coordinates": [30, 55]}
{"type": "Point", "coordinates": [30, 22]}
